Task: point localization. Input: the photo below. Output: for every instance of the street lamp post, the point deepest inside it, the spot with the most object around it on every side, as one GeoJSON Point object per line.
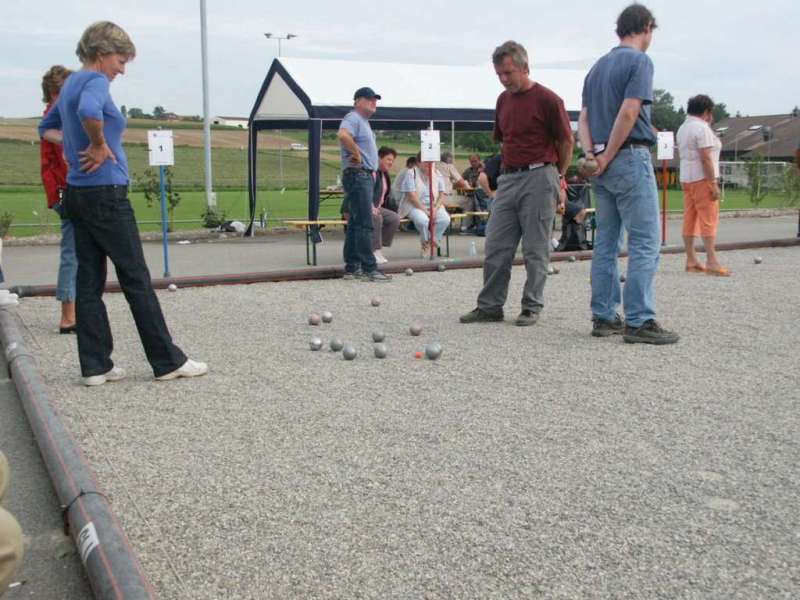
{"type": "Point", "coordinates": [279, 38]}
{"type": "Point", "coordinates": [211, 201]}
{"type": "Point", "coordinates": [273, 36]}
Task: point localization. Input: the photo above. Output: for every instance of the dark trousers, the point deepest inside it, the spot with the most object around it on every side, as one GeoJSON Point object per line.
{"type": "Point", "coordinates": [358, 188]}
{"type": "Point", "coordinates": [105, 227]}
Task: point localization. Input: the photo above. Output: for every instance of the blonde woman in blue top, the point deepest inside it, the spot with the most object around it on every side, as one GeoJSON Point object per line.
{"type": "Point", "coordinates": [97, 202]}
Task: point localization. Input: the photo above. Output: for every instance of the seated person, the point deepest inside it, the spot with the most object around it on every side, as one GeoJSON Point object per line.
{"type": "Point", "coordinates": [573, 232]}
{"type": "Point", "coordinates": [486, 189]}
{"type": "Point", "coordinates": [385, 222]}
{"type": "Point", "coordinates": [396, 195]}
{"type": "Point", "coordinates": [416, 205]}
{"type": "Point", "coordinates": [453, 180]}
{"type": "Point", "coordinates": [472, 172]}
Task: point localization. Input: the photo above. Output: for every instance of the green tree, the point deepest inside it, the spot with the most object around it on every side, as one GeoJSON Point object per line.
{"type": "Point", "coordinates": [720, 112]}
{"type": "Point", "coordinates": [136, 113]}
{"type": "Point", "coordinates": [663, 113]}
{"type": "Point", "coordinates": [757, 179]}
{"type": "Point", "coordinates": [478, 142]}
{"type": "Point", "coordinates": [158, 112]}
{"type": "Point", "coordinates": [149, 183]}
{"type": "Point", "coordinates": [5, 223]}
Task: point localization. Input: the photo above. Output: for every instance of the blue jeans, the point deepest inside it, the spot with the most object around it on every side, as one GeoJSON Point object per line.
{"type": "Point", "coordinates": [422, 220]}
{"type": "Point", "coordinates": [105, 227]}
{"type": "Point", "coordinates": [358, 188]}
{"type": "Point", "coordinates": [626, 196]}
{"type": "Point", "coordinates": [68, 262]}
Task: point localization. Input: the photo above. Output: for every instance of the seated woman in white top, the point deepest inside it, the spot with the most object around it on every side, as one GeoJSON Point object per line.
{"type": "Point", "coordinates": [416, 205]}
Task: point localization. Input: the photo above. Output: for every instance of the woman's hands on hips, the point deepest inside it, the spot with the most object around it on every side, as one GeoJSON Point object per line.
{"type": "Point", "coordinates": [94, 156]}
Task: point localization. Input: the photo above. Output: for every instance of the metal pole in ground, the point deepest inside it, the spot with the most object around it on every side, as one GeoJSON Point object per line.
{"type": "Point", "coordinates": [164, 229]}
{"type": "Point", "coordinates": [113, 569]}
{"type": "Point", "coordinates": [211, 200]}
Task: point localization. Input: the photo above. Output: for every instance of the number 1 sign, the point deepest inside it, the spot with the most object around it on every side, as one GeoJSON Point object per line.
{"type": "Point", "coordinates": [161, 148]}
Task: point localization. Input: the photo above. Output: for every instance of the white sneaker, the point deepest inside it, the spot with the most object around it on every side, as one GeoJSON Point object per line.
{"type": "Point", "coordinates": [8, 299]}
{"type": "Point", "coordinates": [115, 374]}
{"type": "Point", "coordinates": [191, 368]}
{"type": "Point", "coordinates": [380, 258]}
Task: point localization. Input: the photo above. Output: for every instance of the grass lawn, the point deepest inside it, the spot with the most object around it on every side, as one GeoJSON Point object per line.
{"type": "Point", "coordinates": [22, 202]}
{"type": "Point", "coordinates": [19, 166]}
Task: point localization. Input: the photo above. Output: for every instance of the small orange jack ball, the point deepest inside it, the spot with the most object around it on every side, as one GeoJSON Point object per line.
{"type": "Point", "coordinates": [417, 354]}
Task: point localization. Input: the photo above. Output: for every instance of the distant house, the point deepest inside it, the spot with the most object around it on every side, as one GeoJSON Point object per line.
{"type": "Point", "coordinates": [240, 122]}
{"type": "Point", "coordinates": [773, 137]}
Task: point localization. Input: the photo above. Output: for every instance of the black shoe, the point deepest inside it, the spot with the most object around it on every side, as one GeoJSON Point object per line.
{"type": "Point", "coordinates": [348, 276]}
{"type": "Point", "coordinates": [376, 276]}
{"type": "Point", "coordinates": [604, 328]}
{"type": "Point", "coordinates": [481, 316]}
{"type": "Point", "coordinates": [649, 332]}
{"type": "Point", "coordinates": [526, 317]}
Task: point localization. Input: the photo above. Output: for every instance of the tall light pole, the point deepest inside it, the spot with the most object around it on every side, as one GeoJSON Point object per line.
{"type": "Point", "coordinates": [273, 36]}
{"type": "Point", "coordinates": [211, 201]}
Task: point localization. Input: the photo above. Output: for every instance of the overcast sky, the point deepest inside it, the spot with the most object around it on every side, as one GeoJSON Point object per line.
{"type": "Point", "coordinates": [743, 53]}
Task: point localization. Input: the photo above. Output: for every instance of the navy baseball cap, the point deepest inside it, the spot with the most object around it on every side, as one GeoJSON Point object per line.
{"type": "Point", "coordinates": [366, 92]}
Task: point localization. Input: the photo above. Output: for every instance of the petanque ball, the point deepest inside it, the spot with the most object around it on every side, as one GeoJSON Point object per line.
{"type": "Point", "coordinates": [409, 271]}
{"type": "Point", "coordinates": [587, 166]}
{"type": "Point", "coordinates": [336, 344]}
{"type": "Point", "coordinates": [349, 353]}
{"type": "Point", "coordinates": [172, 287]}
{"type": "Point", "coordinates": [327, 316]}
{"type": "Point", "coordinates": [380, 350]}
{"type": "Point", "coordinates": [572, 259]}
{"type": "Point", "coordinates": [441, 268]}
{"type": "Point", "coordinates": [316, 343]}
{"type": "Point", "coordinates": [757, 260]}
{"type": "Point", "coordinates": [433, 350]}
{"type": "Point", "coordinates": [314, 319]}
{"type": "Point", "coordinates": [378, 336]}
{"type": "Point", "coordinates": [415, 329]}
{"type": "Point", "coordinates": [375, 301]}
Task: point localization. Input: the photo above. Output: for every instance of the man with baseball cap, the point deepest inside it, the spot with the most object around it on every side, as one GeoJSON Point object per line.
{"type": "Point", "coordinates": [359, 166]}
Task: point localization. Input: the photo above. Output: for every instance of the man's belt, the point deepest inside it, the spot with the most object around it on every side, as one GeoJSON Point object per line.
{"type": "Point", "coordinates": [533, 167]}
{"type": "Point", "coordinates": [357, 169]}
{"type": "Point", "coordinates": [600, 148]}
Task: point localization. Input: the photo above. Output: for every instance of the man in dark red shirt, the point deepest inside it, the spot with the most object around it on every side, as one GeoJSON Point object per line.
{"type": "Point", "coordinates": [533, 126]}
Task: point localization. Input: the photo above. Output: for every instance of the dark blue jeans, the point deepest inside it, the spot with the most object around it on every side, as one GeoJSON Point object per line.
{"type": "Point", "coordinates": [105, 227]}
{"type": "Point", "coordinates": [358, 188]}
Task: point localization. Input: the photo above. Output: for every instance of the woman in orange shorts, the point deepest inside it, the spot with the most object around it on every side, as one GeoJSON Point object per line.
{"type": "Point", "coordinates": [699, 150]}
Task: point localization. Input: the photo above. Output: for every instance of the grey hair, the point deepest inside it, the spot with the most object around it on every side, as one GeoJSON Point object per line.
{"type": "Point", "coordinates": [102, 38]}
{"type": "Point", "coordinates": [513, 50]}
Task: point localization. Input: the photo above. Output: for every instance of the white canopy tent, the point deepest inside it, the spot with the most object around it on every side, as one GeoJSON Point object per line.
{"type": "Point", "coordinates": [313, 94]}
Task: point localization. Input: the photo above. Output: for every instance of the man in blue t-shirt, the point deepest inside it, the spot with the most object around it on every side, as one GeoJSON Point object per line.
{"type": "Point", "coordinates": [616, 131]}
{"type": "Point", "coordinates": [359, 166]}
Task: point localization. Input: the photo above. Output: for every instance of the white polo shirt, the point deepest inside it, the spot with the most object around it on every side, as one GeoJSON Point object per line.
{"type": "Point", "coordinates": [693, 135]}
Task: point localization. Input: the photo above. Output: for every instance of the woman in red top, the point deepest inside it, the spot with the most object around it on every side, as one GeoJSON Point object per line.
{"type": "Point", "coordinates": [54, 178]}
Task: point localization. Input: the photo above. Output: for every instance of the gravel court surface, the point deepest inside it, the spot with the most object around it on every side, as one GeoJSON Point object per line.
{"type": "Point", "coordinates": [526, 462]}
